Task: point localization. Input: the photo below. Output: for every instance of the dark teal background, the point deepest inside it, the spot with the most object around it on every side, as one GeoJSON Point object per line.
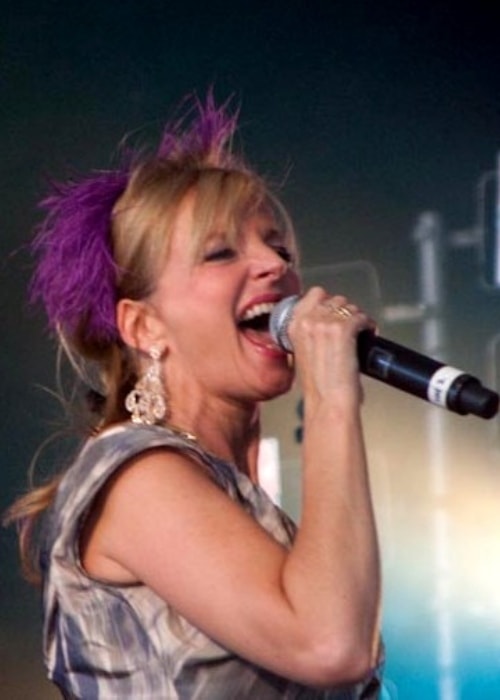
{"type": "Point", "coordinates": [371, 113]}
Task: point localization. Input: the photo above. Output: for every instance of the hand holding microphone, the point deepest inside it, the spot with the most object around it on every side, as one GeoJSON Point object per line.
{"type": "Point", "coordinates": [402, 368]}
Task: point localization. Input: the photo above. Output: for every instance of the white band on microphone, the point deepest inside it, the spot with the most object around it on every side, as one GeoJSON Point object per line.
{"type": "Point", "coordinates": [440, 383]}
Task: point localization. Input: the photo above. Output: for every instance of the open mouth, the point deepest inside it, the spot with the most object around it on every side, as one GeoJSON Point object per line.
{"type": "Point", "coordinates": [255, 322]}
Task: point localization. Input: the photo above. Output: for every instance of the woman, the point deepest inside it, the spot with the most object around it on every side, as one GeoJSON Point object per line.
{"type": "Point", "coordinates": [167, 571]}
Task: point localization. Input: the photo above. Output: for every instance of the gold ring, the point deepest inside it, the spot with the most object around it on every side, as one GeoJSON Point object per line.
{"type": "Point", "coordinates": [343, 311]}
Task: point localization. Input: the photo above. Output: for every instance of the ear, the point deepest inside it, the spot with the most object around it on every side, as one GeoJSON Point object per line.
{"type": "Point", "coordinates": [139, 325]}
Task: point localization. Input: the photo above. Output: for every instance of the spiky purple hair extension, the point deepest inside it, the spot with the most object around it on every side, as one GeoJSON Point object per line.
{"type": "Point", "coordinates": [206, 136]}
{"type": "Point", "coordinates": [75, 276]}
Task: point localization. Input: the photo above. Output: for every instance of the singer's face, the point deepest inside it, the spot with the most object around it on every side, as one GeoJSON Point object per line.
{"type": "Point", "coordinates": [215, 310]}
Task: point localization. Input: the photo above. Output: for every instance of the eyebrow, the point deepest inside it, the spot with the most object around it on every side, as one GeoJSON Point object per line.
{"type": "Point", "coordinates": [272, 231]}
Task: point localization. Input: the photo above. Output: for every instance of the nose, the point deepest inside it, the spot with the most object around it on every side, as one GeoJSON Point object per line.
{"type": "Point", "coordinates": [268, 262]}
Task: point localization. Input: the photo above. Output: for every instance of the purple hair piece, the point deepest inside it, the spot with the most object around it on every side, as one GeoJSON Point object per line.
{"type": "Point", "coordinates": [205, 137]}
{"type": "Point", "coordinates": [75, 277]}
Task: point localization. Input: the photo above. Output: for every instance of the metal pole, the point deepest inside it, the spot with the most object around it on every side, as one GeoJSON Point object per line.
{"type": "Point", "coordinates": [427, 235]}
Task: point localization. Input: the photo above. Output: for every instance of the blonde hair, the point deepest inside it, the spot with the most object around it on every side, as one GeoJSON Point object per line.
{"type": "Point", "coordinates": [142, 220]}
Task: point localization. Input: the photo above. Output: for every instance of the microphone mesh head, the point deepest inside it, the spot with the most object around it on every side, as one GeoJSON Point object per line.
{"type": "Point", "coordinates": [278, 323]}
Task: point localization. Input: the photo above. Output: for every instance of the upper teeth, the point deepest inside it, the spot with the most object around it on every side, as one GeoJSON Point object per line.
{"type": "Point", "coordinates": [258, 310]}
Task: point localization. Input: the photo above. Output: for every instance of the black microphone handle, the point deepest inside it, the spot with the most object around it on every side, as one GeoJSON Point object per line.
{"type": "Point", "coordinates": [424, 377]}
{"type": "Point", "coordinates": [404, 369]}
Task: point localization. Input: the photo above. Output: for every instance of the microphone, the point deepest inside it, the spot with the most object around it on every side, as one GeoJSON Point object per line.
{"type": "Point", "coordinates": [404, 369]}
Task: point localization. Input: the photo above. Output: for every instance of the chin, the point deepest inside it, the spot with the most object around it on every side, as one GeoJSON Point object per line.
{"type": "Point", "coordinates": [278, 389]}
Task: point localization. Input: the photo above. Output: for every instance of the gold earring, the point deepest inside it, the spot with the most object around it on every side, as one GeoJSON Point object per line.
{"type": "Point", "coordinates": [147, 402]}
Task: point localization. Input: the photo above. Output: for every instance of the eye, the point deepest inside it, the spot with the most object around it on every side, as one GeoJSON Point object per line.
{"type": "Point", "coordinates": [284, 253]}
{"type": "Point", "coordinates": [220, 253]}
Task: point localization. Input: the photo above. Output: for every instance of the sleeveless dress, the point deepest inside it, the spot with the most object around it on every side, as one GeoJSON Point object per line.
{"type": "Point", "coordinates": [117, 642]}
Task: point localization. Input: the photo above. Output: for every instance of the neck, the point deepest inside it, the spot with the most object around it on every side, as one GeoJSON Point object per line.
{"type": "Point", "coordinates": [229, 432]}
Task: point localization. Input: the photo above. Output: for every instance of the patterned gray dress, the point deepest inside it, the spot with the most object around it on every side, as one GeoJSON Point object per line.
{"type": "Point", "coordinates": [118, 642]}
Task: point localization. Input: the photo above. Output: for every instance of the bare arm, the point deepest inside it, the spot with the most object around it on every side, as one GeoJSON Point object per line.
{"type": "Point", "coordinates": [310, 614]}
{"type": "Point", "coordinates": [334, 566]}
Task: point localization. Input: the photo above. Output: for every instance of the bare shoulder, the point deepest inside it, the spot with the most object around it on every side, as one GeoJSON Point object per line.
{"type": "Point", "coordinates": [147, 490]}
{"type": "Point", "coordinates": [164, 467]}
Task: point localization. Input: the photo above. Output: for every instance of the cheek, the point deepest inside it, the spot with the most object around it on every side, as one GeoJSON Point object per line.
{"type": "Point", "coordinates": [199, 333]}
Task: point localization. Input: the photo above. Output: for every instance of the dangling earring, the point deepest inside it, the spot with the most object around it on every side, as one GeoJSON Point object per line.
{"type": "Point", "coordinates": [147, 402]}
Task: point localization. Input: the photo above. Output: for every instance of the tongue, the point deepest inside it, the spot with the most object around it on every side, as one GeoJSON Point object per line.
{"type": "Point", "coordinates": [262, 337]}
